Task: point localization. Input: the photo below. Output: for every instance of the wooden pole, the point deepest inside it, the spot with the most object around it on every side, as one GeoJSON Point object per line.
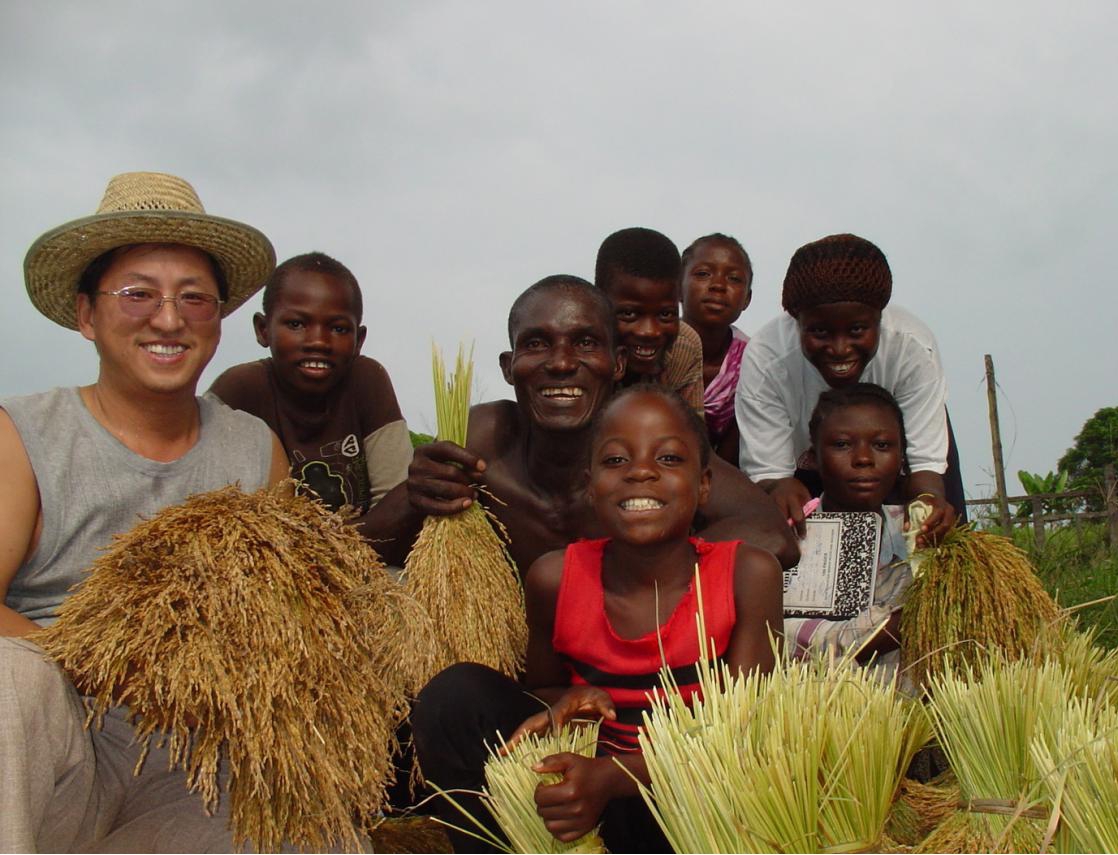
{"type": "Point", "coordinates": [1111, 488]}
{"type": "Point", "coordinates": [1038, 522]}
{"type": "Point", "coordinates": [996, 439]}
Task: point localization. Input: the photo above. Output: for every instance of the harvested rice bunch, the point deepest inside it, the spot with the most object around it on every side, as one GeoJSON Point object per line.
{"type": "Point", "coordinates": [806, 759]}
{"type": "Point", "coordinates": [920, 807]}
{"type": "Point", "coordinates": [986, 718]}
{"type": "Point", "coordinates": [267, 622]}
{"type": "Point", "coordinates": [460, 570]}
{"type": "Point", "coordinates": [511, 785]}
{"type": "Point", "coordinates": [1092, 670]}
{"type": "Point", "coordinates": [1078, 764]}
{"type": "Point", "coordinates": [976, 592]}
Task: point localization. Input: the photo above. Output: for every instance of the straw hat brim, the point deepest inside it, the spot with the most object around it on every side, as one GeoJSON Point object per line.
{"type": "Point", "coordinates": [54, 264]}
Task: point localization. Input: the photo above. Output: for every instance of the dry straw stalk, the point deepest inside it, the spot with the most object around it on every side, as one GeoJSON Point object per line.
{"type": "Point", "coordinates": [272, 625]}
{"type": "Point", "coordinates": [460, 570]}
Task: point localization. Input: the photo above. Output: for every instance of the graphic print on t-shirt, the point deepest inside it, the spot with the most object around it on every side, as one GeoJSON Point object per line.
{"type": "Point", "coordinates": [338, 476]}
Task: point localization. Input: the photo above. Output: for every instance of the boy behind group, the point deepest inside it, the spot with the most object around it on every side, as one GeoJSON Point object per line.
{"type": "Point", "coordinates": [334, 410]}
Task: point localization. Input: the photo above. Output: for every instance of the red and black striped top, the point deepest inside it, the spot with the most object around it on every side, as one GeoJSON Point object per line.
{"type": "Point", "coordinates": [629, 668]}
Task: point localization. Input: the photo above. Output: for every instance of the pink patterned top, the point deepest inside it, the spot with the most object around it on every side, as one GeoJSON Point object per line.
{"type": "Point", "coordinates": [718, 397]}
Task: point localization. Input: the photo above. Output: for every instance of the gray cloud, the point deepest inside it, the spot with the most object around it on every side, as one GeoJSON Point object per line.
{"type": "Point", "coordinates": [453, 153]}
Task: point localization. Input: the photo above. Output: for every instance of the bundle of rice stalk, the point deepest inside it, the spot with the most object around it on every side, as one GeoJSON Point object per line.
{"type": "Point", "coordinates": [976, 591]}
{"type": "Point", "coordinates": [919, 808]}
{"type": "Point", "coordinates": [1092, 670]}
{"type": "Point", "coordinates": [260, 630]}
{"type": "Point", "coordinates": [876, 731]}
{"type": "Point", "coordinates": [460, 570]}
{"type": "Point", "coordinates": [805, 759]}
{"type": "Point", "coordinates": [1078, 763]}
{"type": "Point", "coordinates": [985, 719]}
{"type": "Point", "coordinates": [511, 785]}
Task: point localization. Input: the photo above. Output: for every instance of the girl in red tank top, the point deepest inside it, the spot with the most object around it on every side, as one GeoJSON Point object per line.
{"type": "Point", "coordinates": [602, 613]}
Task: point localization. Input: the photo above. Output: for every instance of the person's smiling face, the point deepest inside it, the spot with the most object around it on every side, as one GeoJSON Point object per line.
{"type": "Point", "coordinates": [859, 452]}
{"type": "Point", "coordinates": [162, 353]}
{"type": "Point", "coordinates": [646, 313]}
{"type": "Point", "coordinates": [647, 478]}
{"type": "Point", "coordinates": [839, 339]}
{"type": "Point", "coordinates": [313, 331]}
{"type": "Point", "coordinates": [562, 365]}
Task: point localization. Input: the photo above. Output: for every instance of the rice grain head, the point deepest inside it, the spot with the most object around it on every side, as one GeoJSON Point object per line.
{"type": "Point", "coordinates": [976, 592]}
{"type": "Point", "coordinates": [269, 622]}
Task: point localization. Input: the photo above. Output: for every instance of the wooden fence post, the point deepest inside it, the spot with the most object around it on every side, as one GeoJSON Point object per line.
{"type": "Point", "coordinates": [996, 439]}
{"type": "Point", "coordinates": [1110, 487]}
{"type": "Point", "coordinates": [1038, 523]}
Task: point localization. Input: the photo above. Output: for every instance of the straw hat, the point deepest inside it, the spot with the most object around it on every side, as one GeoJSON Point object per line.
{"type": "Point", "coordinates": [143, 207]}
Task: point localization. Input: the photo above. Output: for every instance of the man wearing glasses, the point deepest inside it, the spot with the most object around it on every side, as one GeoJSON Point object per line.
{"type": "Point", "coordinates": [147, 279]}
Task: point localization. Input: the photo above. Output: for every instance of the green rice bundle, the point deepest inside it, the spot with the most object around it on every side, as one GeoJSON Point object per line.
{"type": "Point", "coordinates": [511, 785]}
{"type": "Point", "coordinates": [1078, 763]}
{"type": "Point", "coordinates": [806, 759]}
{"type": "Point", "coordinates": [267, 622]}
{"type": "Point", "coordinates": [460, 570]}
{"type": "Point", "coordinates": [976, 592]}
{"type": "Point", "coordinates": [985, 719]}
{"type": "Point", "coordinates": [1092, 670]}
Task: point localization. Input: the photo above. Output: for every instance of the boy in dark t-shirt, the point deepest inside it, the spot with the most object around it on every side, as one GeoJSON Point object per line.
{"type": "Point", "coordinates": [334, 411]}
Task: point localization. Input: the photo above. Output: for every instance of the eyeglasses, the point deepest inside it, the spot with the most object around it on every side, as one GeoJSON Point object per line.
{"type": "Point", "coordinates": [145, 302]}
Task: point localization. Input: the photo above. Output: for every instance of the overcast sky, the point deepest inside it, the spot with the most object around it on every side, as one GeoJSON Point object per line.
{"type": "Point", "coordinates": [452, 153]}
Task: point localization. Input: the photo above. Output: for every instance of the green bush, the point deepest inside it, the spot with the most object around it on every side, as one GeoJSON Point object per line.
{"type": "Point", "coordinates": [1077, 566]}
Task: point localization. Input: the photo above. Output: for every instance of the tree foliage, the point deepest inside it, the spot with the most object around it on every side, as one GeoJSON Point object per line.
{"type": "Point", "coordinates": [1037, 484]}
{"type": "Point", "coordinates": [1095, 446]}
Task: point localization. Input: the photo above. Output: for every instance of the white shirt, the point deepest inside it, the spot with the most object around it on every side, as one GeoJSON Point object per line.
{"type": "Point", "coordinates": [778, 389]}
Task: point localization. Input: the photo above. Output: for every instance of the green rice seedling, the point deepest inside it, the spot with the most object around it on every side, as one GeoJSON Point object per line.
{"type": "Point", "coordinates": [1078, 764]}
{"type": "Point", "coordinates": [976, 592]}
{"type": "Point", "coordinates": [986, 717]}
{"type": "Point", "coordinates": [805, 759]}
{"type": "Point", "coordinates": [1092, 670]}
{"type": "Point", "coordinates": [460, 569]}
{"type": "Point", "coordinates": [510, 786]}
{"type": "Point", "coordinates": [260, 632]}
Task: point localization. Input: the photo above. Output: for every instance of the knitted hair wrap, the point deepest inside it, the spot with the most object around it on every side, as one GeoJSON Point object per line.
{"type": "Point", "coordinates": [837, 269]}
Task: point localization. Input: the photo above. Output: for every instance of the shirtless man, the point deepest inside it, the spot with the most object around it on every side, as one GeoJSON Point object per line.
{"type": "Point", "coordinates": [532, 453]}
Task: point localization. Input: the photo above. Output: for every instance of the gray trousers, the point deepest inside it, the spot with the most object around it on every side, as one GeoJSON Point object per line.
{"type": "Point", "coordinates": [64, 788]}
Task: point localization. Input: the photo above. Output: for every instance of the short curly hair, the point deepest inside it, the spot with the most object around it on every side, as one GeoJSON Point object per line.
{"type": "Point", "coordinates": [837, 269]}
{"type": "Point", "coordinates": [637, 252]}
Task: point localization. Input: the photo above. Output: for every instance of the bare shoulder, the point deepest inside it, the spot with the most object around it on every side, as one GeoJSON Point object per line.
{"type": "Point", "coordinates": [19, 497]}
{"type": "Point", "coordinates": [369, 372]}
{"type": "Point", "coordinates": [546, 571]}
{"type": "Point", "coordinates": [494, 426]}
{"type": "Point", "coordinates": [239, 382]}
{"type": "Point", "coordinates": [755, 567]}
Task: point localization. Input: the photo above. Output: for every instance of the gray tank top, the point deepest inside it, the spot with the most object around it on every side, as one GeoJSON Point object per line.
{"type": "Point", "coordinates": [92, 487]}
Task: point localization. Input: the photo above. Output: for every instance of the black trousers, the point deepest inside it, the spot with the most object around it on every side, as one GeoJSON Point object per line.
{"type": "Point", "coordinates": [464, 707]}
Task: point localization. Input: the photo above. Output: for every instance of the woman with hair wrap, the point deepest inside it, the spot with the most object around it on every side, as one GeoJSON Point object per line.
{"type": "Point", "coordinates": [839, 330]}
